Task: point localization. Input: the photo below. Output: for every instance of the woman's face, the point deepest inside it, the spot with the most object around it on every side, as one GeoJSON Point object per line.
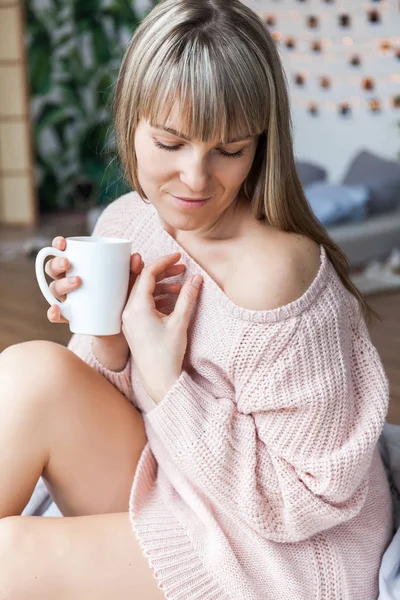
{"type": "Point", "coordinates": [190, 169]}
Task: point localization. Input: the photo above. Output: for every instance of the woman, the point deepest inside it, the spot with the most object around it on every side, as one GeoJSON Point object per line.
{"type": "Point", "coordinates": [240, 418]}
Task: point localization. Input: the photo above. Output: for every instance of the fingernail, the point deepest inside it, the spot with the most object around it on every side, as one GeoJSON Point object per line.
{"type": "Point", "coordinates": [197, 281]}
{"type": "Point", "coordinates": [52, 310]}
{"type": "Point", "coordinates": [72, 279]}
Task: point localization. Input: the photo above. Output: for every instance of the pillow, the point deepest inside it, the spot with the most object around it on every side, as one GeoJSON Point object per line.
{"type": "Point", "coordinates": [310, 173]}
{"type": "Point", "coordinates": [381, 176]}
{"type": "Point", "coordinates": [333, 204]}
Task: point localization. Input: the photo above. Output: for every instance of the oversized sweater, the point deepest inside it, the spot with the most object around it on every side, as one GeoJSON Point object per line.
{"type": "Point", "coordinates": [261, 478]}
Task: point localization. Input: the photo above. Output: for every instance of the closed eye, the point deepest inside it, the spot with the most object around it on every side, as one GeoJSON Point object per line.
{"type": "Point", "coordinates": [175, 148]}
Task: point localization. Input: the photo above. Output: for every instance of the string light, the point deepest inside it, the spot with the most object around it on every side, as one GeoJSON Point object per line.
{"type": "Point", "coordinates": [334, 49]}
{"type": "Point", "coordinates": [344, 109]}
{"type": "Point", "coordinates": [312, 22]}
{"type": "Point", "coordinates": [374, 16]}
{"type": "Point", "coordinates": [344, 20]}
{"type": "Point", "coordinates": [341, 19]}
{"type": "Point", "coordinates": [368, 83]}
{"type": "Point", "coordinates": [375, 105]}
{"type": "Point", "coordinates": [357, 104]}
{"type": "Point", "coordinates": [325, 82]}
{"type": "Point", "coordinates": [290, 43]}
{"type": "Point", "coordinates": [316, 46]}
{"type": "Point", "coordinates": [313, 109]}
{"type": "Point", "coordinates": [365, 82]}
{"type": "Point", "coordinates": [355, 60]}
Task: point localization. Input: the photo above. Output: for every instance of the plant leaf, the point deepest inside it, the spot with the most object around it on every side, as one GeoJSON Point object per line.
{"type": "Point", "coordinates": [101, 45]}
{"type": "Point", "coordinates": [39, 65]}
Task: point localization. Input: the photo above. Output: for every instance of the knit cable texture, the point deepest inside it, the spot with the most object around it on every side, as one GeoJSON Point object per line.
{"type": "Point", "coordinates": [261, 478]}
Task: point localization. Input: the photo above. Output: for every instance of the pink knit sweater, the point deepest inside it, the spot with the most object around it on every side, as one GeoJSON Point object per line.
{"type": "Point", "coordinates": [261, 479]}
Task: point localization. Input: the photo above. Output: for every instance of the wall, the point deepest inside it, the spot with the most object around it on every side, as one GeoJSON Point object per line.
{"type": "Point", "coordinates": [17, 199]}
{"type": "Point", "coordinates": [329, 139]}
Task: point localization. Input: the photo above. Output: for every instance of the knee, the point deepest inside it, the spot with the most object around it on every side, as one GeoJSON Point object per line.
{"type": "Point", "coordinates": [24, 354]}
{"type": "Point", "coordinates": [27, 351]}
{"type": "Point", "coordinates": [32, 366]}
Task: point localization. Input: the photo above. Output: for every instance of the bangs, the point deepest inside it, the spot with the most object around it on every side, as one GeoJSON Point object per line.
{"type": "Point", "coordinates": [213, 104]}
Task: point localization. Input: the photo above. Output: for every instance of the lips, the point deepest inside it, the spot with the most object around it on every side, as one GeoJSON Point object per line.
{"type": "Point", "coordinates": [192, 199]}
{"type": "Point", "coordinates": [191, 204]}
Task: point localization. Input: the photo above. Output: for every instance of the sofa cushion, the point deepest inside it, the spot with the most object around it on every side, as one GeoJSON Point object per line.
{"type": "Point", "coordinates": [310, 173]}
{"type": "Point", "coordinates": [381, 176]}
{"type": "Point", "coordinates": [334, 204]}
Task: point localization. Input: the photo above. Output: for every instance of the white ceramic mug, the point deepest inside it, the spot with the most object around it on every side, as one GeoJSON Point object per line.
{"type": "Point", "coordinates": [103, 265]}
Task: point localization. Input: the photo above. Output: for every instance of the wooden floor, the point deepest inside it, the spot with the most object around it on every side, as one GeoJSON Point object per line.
{"type": "Point", "coordinates": [23, 308]}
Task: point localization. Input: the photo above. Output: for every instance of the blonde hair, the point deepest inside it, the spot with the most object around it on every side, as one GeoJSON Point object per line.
{"type": "Point", "coordinates": [219, 61]}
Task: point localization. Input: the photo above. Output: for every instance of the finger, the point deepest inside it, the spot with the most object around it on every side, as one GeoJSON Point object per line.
{"type": "Point", "coordinates": [61, 287]}
{"type": "Point", "coordinates": [54, 315]}
{"type": "Point", "coordinates": [137, 263]}
{"type": "Point", "coordinates": [59, 242]}
{"type": "Point", "coordinates": [167, 288]}
{"type": "Point", "coordinates": [136, 268]}
{"type": "Point", "coordinates": [147, 281]}
{"type": "Point", "coordinates": [172, 271]}
{"type": "Point", "coordinates": [186, 300]}
{"type": "Point", "coordinates": [56, 267]}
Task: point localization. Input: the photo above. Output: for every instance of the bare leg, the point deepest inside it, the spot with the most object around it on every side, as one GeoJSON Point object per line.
{"type": "Point", "coordinates": [79, 558]}
{"type": "Point", "coordinates": [60, 418]}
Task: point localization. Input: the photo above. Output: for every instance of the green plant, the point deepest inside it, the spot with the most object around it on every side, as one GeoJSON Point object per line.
{"type": "Point", "coordinates": [74, 52]}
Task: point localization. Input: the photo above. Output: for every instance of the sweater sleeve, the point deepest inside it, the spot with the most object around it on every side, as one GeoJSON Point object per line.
{"type": "Point", "coordinates": [110, 223]}
{"type": "Point", "coordinates": [290, 454]}
{"type": "Point", "coordinates": [81, 345]}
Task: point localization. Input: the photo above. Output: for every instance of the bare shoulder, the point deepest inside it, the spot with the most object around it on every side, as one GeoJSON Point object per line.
{"type": "Point", "coordinates": [275, 269]}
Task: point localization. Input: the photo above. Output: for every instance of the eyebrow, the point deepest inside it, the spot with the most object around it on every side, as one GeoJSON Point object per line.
{"type": "Point", "coordinates": [184, 137]}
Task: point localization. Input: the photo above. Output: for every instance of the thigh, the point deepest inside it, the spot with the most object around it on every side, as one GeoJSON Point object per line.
{"type": "Point", "coordinates": [81, 558]}
{"type": "Point", "coordinates": [92, 434]}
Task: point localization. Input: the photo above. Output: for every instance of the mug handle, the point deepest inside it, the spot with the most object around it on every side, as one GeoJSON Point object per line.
{"type": "Point", "coordinates": [65, 308]}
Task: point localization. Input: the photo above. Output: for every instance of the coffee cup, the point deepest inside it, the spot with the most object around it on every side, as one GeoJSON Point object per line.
{"type": "Point", "coordinates": [103, 265]}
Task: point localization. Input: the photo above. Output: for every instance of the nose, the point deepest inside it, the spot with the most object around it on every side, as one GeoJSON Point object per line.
{"type": "Point", "coordinates": [195, 174]}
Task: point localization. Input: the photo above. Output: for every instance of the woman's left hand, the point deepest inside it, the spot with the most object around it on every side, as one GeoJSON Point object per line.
{"type": "Point", "coordinates": [157, 341]}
